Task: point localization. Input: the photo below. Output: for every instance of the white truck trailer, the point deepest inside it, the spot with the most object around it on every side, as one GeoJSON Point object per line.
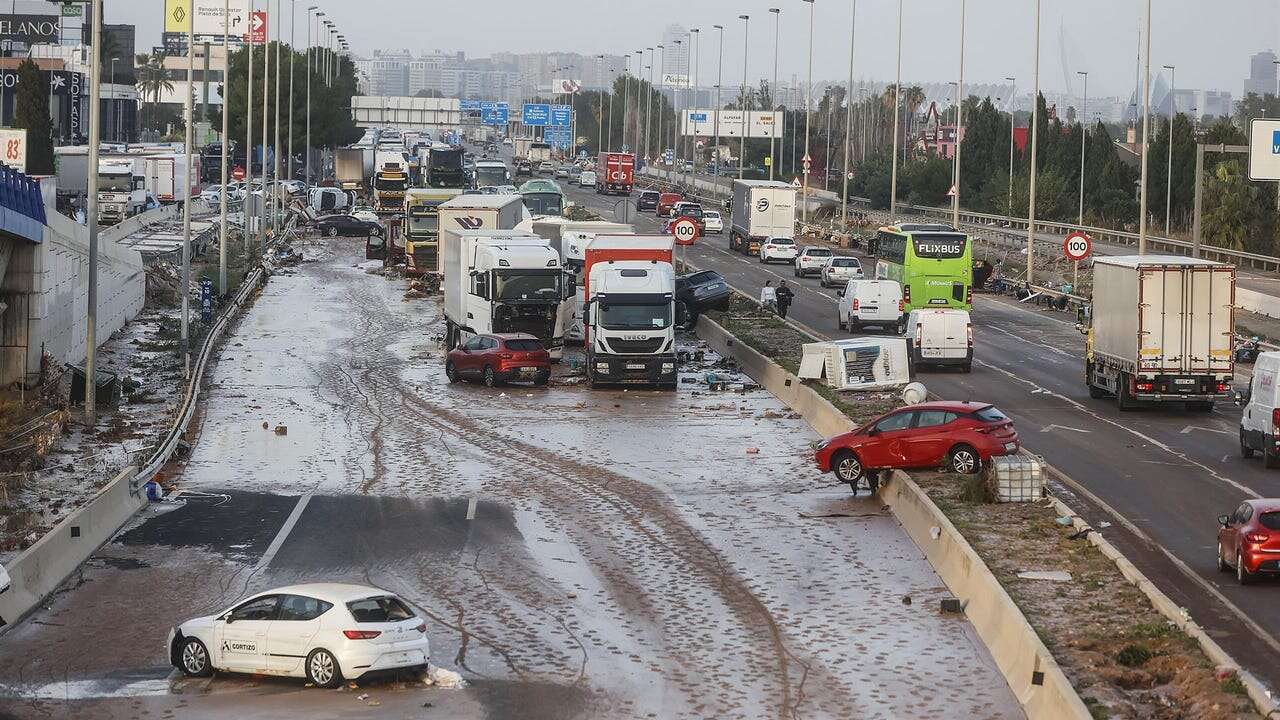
{"type": "Point", "coordinates": [630, 313]}
{"type": "Point", "coordinates": [762, 209]}
{"type": "Point", "coordinates": [570, 239]}
{"type": "Point", "coordinates": [1162, 330]}
{"type": "Point", "coordinates": [475, 212]}
{"type": "Point", "coordinates": [500, 281]}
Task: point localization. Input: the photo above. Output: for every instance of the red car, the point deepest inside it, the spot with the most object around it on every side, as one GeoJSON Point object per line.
{"type": "Point", "coordinates": [668, 201]}
{"type": "Point", "coordinates": [500, 358]}
{"type": "Point", "coordinates": [959, 436]}
{"type": "Point", "coordinates": [1249, 540]}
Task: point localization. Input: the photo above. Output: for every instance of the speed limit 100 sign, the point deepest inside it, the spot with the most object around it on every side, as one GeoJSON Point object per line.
{"type": "Point", "coordinates": [685, 230]}
{"type": "Point", "coordinates": [1077, 246]}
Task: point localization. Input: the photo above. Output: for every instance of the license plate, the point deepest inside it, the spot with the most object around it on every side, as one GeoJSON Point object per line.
{"type": "Point", "coordinates": [1184, 381]}
{"type": "Point", "coordinates": [931, 352]}
{"type": "Point", "coordinates": [1010, 447]}
{"type": "Point", "coordinates": [635, 366]}
{"type": "Point", "coordinates": [528, 371]}
{"type": "Point", "coordinates": [938, 301]}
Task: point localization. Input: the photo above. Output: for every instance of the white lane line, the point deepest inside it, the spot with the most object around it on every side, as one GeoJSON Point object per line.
{"type": "Point", "coordinates": [471, 509]}
{"type": "Point", "coordinates": [1187, 430]}
{"type": "Point", "coordinates": [1046, 346]}
{"type": "Point", "coordinates": [1050, 428]}
{"type": "Point", "coordinates": [281, 536]}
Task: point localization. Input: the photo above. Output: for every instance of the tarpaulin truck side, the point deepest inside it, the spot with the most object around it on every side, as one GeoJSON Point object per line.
{"type": "Point", "coordinates": [477, 212]}
{"type": "Point", "coordinates": [1162, 330]}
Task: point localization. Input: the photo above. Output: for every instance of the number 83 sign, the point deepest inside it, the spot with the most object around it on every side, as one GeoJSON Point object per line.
{"type": "Point", "coordinates": [685, 230]}
{"type": "Point", "coordinates": [13, 149]}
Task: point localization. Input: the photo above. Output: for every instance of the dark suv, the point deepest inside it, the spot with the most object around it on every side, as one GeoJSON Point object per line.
{"type": "Point", "coordinates": [648, 200]}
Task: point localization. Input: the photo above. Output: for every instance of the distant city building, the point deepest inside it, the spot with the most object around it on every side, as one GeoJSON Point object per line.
{"type": "Point", "coordinates": [675, 55]}
{"type": "Point", "coordinates": [1262, 74]}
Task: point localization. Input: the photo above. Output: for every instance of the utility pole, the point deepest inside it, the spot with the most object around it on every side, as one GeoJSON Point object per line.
{"type": "Point", "coordinates": [808, 115]}
{"type": "Point", "coordinates": [275, 146]}
{"type": "Point", "coordinates": [95, 147]}
{"type": "Point", "coordinates": [226, 142]}
{"type": "Point", "coordinates": [600, 101]}
{"type": "Point", "coordinates": [662, 72]}
{"type": "Point", "coordinates": [955, 199]}
{"type": "Point", "coordinates": [773, 89]}
{"type": "Point", "coordinates": [648, 110]}
{"type": "Point", "coordinates": [1084, 134]}
{"type": "Point", "coordinates": [1012, 95]}
{"type": "Point", "coordinates": [692, 99]}
{"type": "Point", "coordinates": [897, 103]}
{"type": "Point", "coordinates": [186, 204]}
{"type": "Point", "coordinates": [248, 134]}
{"type": "Point", "coordinates": [293, 39]}
{"type": "Point", "coordinates": [1173, 113]}
{"type": "Point", "coordinates": [266, 124]}
{"type": "Point", "coordinates": [715, 147]}
{"type": "Point", "coordinates": [310, 52]}
{"type": "Point", "coordinates": [848, 120]}
{"type": "Point", "coordinates": [1035, 127]}
{"type": "Point", "coordinates": [1146, 128]}
{"type": "Point", "coordinates": [742, 145]}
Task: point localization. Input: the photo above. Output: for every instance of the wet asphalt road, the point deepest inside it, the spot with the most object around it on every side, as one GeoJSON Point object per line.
{"type": "Point", "coordinates": [1166, 471]}
{"type": "Point", "coordinates": [627, 556]}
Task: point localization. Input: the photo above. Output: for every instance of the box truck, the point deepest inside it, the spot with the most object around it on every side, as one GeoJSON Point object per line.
{"type": "Point", "coordinates": [121, 189]}
{"type": "Point", "coordinates": [167, 177]}
{"type": "Point", "coordinates": [762, 209]}
{"type": "Point", "coordinates": [500, 281]}
{"type": "Point", "coordinates": [390, 181]}
{"type": "Point", "coordinates": [570, 238]}
{"type": "Point", "coordinates": [615, 173]}
{"type": "Point", "coordinates": [630, 311]}
{"type": "Point", "coordinates": [476, 212]}
{"type": "Point", "coordinates": [348, 164]}
{"type": "Point", "coordinates": [1162, 329]}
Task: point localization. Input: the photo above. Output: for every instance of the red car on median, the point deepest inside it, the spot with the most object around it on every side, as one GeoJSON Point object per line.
{"type": "Point", "coordinates": [504, 357]}
{"type": "Point", "coordinates": [957, 436]}
{"type": "Point", "coordinates": [1249, 540]}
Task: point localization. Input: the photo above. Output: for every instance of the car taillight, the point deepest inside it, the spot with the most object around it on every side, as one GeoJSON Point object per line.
{"type": "Point", "coordinates": [361, 634]}
{"type": "Point", "coordinates": [906, 293]}
{"type": "Point", "coordinates": [968, 295]}
{"type": "Point", "coordinates": [1275, 418]}
{"type": "Point", "coordinates": [968, 331]}
{"type": "Point", "coordinates": [1224, 387]}
{"type": "Point", "coordinates": [1257, 537]}
{"type": "Point", "coordinates": [1145, 386]}
{"type": "Point", "coordinates": [505, 356]}
{"type": "Point", "coordinates": [901, 305]}
{"type": "Point", "coordinates": [856, 304]}
{"type": "Point", "coordinates": [919, 335]}
{"type": "Point", "coordinates": [422, 628]}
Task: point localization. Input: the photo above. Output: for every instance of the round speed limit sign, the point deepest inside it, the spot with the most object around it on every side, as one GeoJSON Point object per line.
{"type": "Point", "coordinates": [1077, 246]}
{"type": "Point", "coordinates": [685, 230]}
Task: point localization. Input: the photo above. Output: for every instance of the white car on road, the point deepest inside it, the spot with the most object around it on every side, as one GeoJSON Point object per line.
{"type": "Point", "coordinates": [778, 248]}
{"type": "Point", "coordinates": [811, 260]}
{"type": "Point", "coordinates": [712, 222]}
{"type": "Point", "coordinates": [325, 632]}
{"type": "Point", "coordinates": [364, 212]}
{"type": "Point", "coordinates": [840, 270]}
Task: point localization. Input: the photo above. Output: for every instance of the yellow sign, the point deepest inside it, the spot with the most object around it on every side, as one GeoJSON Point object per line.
{"type": "Point", "coordinates": [768, 161]}
{"type": "Point", "coordinates": [177, 15]}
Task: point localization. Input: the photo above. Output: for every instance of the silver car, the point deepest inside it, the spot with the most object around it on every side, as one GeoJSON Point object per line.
{"type": "Point", "coordinates": [840, 270]}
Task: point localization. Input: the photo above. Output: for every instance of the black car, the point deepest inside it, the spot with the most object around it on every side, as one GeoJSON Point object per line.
{"type": "Point", "coordinates": [702, 291]}
{"type": "Point", "coordinates": [648, 200]}
{"type": "Point", "coordinates": [345, 225]}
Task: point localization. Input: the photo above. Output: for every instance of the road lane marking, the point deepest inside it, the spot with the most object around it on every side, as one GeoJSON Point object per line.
{"type": "Point", "coordinates": [1187, 430]}
{"type": "Point", "coordinates": [1048, 428]}
{"type": "Point", "coordinates": [471, 509]}
{"type": "Point", "coordinates": [285, 529]}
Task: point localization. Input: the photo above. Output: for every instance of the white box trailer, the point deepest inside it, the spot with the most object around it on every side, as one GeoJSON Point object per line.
{"type": "Point", "coordinates": [498, 281]}
{"type": "Point", "coordinates": [570, 239]}
{"type": "Point", "coordinates": [762, 209]}
{"type": "Point", "coordinates": [476, 212]}
{"type": "Point", "coordinates": [167, 177]}
{"type": "Point", "coordinates": [1162, 330]}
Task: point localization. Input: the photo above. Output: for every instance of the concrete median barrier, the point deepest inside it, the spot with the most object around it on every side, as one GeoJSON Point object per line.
{"type": "Point", "coordinates": [41, 568]}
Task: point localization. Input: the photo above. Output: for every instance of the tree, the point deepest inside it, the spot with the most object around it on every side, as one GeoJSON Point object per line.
{"type": "Point", "coordinates": [31, 112]}
{"type": "Point", "coordinates": [152, 81]}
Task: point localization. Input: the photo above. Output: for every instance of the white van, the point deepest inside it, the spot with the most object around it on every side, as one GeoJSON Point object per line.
{"type": "Point", "coordinates": [587, 179]}
{"type": "Point", "coordinates": [870, 302]}
{"type": "Point", "coordinates": [1259, 431]}
{"type": "Point", "coordinates": [940, 337]}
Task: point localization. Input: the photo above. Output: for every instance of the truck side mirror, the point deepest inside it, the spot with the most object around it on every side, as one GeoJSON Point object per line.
{"type": "Point", "coordinates": [1242, 397]}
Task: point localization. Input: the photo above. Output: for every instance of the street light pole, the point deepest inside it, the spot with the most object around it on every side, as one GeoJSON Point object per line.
{"type": "Point", "coordinates": [266, 124]}
{"type": "Point", "coordinates": [662, 72]}
{"type": "Point", "coordinates": [848, 121]}
{"type": "Point", "coordinates": [293, 41]}
{"type": "Point", "coordinates": [189, 114]}
{"type": "Point", "coordinates": [600, 122]}
{"type": "Point", "coordinates": [742, 146]}
{"type": "Point", "coordinates": [1035, 127]}
{"type": "Point", "coordinates": [226, 142]}
{"type": "Point", "coordinates": [897, 103]}
{"type": "Point", "coordinates": [1084, 134]}
{"type": "Point", "coordinates": [715, 146]}
{"type": "Point", "coordinates": [275, 159]}
{"type": "Point", "coordinates": [773, 89]}
{"type": "Point", "coordinates": [310, 52]}
{"type": "Point", "coordinates": [808, 114]}
{"type": "Point", "coordinates": [1146, 128]}
{"type": "Point", "coordinates": [248, 132]}
{"type": "Point", "coordinates": [95, 148]}
{"type": "Point", "coordinates": [1012, 96]}
{"type": "Point", "coordinates": [1173, 113]}
{"type": "Point", "coordinates": [955, 198]}
{"type": "Point", "coordinates": [692, 99]}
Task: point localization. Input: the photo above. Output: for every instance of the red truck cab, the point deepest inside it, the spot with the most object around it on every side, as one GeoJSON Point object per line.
{"type": "Point", "coordinates": [615, 173]}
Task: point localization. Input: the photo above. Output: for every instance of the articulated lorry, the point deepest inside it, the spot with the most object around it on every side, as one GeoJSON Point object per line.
{"type": "Point", "coordinates": [762, 209]}
{"type": "Point", "coordinates": [570, 238]}
{"type": "Point", "coordinates": [121, 189]}
{"type": "Point", "coordinates": [444, 167]}
{"type": "Point", "coordinates": [615, 173]}
{"type": "Point", "coordinates": [630, 310]}
{"type": "Point", "coordinates": [390, 181]}
{"type": "Point", "coordinates": [478, 212]}
{"type": "Point", "coordinates": [1162, 330]}
{"type": "Point", "coordinates": [500, 281]}
{"type": "Point", "coordinates": [422, 227]}
{"type": "Point", "coordinates": [167, 178]}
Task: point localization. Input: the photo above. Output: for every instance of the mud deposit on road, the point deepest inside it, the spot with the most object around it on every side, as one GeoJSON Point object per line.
{"type": "Point", "coordinates": [628, 554]}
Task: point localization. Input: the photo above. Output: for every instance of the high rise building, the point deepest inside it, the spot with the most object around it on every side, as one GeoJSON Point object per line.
{"type": "Point", "coordinates": [1262, 74]}
{"type": "Point", "coordinates": [675, 56]}
{"type": "Point", "coordinates": [387, 73]}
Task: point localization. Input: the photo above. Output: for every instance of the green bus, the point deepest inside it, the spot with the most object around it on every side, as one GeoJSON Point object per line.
{"type": "Point", "coordinates": [933, 263]}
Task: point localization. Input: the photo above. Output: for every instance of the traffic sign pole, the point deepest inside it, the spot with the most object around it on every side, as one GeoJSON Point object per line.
{"type": "Point", "coordinates": [1076, 247]}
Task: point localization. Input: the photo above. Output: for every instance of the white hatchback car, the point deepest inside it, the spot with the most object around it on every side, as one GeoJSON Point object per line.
{"type": "Point", "coordinates": [712, 221]}
{"type": "Point", "coordinates": [811, 260]}
{"type": "Point", "coordinates": [325, 632]}
{"type": "Point", "coordinates": [784, 249]}
{"type": "Point", "coordinates": [840, 270]}
{"type": "Point", "coordinates": [366, 213]}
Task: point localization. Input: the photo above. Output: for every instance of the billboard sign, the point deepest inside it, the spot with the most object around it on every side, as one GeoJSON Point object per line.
{"type": "Point", "coordinates": [206, 16]}
{"type": "Point", "coordinates": [1264, 149]}
{"type": "Point", "coordinates": [566, 87]}
{"type": "Point", "coordinates": [561, 116]}
{"type": "Point", "coordinates": [29, 29]}
{"type": "Point", "coordinates": [675, 80]}
{"type": "Point", "coordinates": [536, 114]}
{"type": "Point", "coordinates": [760, 124]}
{"type": "Point", "coordinates": [13, 149]}
{"type": "Point", "coordinates": [559, 137]}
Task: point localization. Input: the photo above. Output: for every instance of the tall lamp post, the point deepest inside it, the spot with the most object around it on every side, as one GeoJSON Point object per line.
{"type": "Point", "coordinates": [1173, 113]}
{"type": "Point", "coordinates": [742, 146]}
{"type": "Point", "coordinates": [226, 142]}
{"type": "Point", "coordinates": [773, 89]}
{"type": "Point", "coordinates": [600, 100]}
{"type": "Point", "coordinates": [808, 114]}
{"type": "Point", "coordinates": [848, 121]}
{"type": "Point", "coordinates": [955, 197]}
{"type": "Point", "coordinates": [692, 100]}
{"type": "Point", "coordinates": [95, 147]}
{"type": "Point", "coordinates": [310, 22]}
{"type": "Point", "coordinates": [1084, 134]}
{"type": "Point", "coordinates": [1146, 128]}
{"type": "Point", "coordinates": [715, 146]}
{"type": "Point", "coordinates": [293, 43]}
{"type": "Point", "coordinates": [897, 104]}
{"type": "Point", "coordinates": [1035, 127]}
{"type": "Point", "coordinates": [1013, 93]}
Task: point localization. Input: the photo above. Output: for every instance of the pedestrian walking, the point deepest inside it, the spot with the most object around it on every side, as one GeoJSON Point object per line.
{"type": "Point", "coordinates": [768, 295]}
{"type": "Point", "coordinates": [783, 297]}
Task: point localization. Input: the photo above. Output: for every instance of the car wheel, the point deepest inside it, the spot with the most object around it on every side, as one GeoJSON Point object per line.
{"type": "Point", "coordinates": [331, 231]}
{"type": "Point", "coordinates": [323, 670]}
{"type": "Point", "coordinates": [543, 378]}
{"type": "Point", "coordinates": [1246, 452]}
{"type": "Point", "coordinates": [1222, 563]}
{"type": "Point", "coordinates": [847, 468]}
{"type": "Point", "coordinates": [451, 372]}
{"type": "Point", "coordinates": [489, 378]}
{"type": "Point", "coordinates": [1243, 576]}
{"type": "Point", "coordinates": [964, 460]}
{"type": "Point", "coordinates": [1270, 459]}
{"type": "Point", "coordinates": [194, 659]}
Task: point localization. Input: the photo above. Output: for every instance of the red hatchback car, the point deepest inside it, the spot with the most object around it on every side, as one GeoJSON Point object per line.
{"type": "Point", "coordinates": [500, 358]}
{"type": "Point", "coordinates": [666, 202]}
{"type": "Point", "coordinates": [1249, 540]}
{"type": "Point", "coordinates": [958, 436]}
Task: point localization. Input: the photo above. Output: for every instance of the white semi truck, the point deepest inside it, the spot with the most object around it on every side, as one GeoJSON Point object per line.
{"type": "Point", "coordinates": [1162, 330]}
{"type": "Point", "coordinates": [500, 281]}
{"type": "Point", "coordinates": [570, 239]}
{"type": "Point", "coordinates": [630, 313]}
{"type": "Point", "coordinates": [121, 189]}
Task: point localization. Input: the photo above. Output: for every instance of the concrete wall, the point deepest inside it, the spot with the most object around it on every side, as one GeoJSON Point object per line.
{"type": "Point", "coordinates": [1256, 302]}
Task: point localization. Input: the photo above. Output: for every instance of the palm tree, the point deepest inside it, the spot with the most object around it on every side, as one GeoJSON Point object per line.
{"type": "Point", "coordinates": [152, 81]}
{"type": "Point", "coordinates": [912, 99]}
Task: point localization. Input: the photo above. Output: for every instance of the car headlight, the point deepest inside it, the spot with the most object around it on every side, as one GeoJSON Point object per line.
{"type": "Point", "coordinates": [822, 445]}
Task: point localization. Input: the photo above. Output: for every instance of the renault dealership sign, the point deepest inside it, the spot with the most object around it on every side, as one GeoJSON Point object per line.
{"type": "Point", "coordinates": [207, 15]}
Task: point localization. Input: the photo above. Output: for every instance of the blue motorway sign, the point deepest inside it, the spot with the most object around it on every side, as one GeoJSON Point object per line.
{"type": "Point", "coordinates": [536, 114]}
{"type": "Point", "coordinates": [697, 117]}
{"type": "Point", "coordinates": [470, 105]}
{"type": "Point", "coordinates": [557, 136]}
{"type": "Point", "coordinates": [561, 116]}
{"type": "Point", "coordinates": [494, 113]}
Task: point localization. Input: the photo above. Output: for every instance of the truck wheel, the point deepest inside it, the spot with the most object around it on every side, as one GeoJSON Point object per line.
{"type": "Point", "coordinates": [1123, 400]}
{"type": "Point", "coordinates": [1246, 452]}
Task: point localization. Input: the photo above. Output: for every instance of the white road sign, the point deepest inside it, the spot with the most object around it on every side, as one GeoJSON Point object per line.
{"type": "Point", "coordinates": [1264, 149]}
{"type": "Point", "coordinates": [13, 149]}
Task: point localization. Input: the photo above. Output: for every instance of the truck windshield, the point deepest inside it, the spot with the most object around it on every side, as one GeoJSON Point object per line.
{"type": "Point", "coordinates": [486, 175]}
{"type": "Point", "coordinates": [516, 285]}
{"type": "Point", "coordinates": [115, 183]}
{"type": "Point", "coordinates": [544, 203]}
{"type": "Point", "coordinates": [398, 184]}
{"type": "Point", "coordinates": [636, 317]}
{"type": "Point", "coordinates": [423, 224]}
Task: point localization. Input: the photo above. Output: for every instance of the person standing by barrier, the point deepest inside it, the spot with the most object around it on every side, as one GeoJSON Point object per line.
{"type": "Point", "coordinates": [784, 297]}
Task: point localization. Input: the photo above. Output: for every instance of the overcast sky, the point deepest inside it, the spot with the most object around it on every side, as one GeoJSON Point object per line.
{"type": "Point", "coordinates": [1209, 41]}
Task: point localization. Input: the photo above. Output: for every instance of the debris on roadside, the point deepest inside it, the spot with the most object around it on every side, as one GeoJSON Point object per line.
{"type": "Point", "coordinates": [1051, 575]}
{"type": "Point", "coordinates": [444, 679]}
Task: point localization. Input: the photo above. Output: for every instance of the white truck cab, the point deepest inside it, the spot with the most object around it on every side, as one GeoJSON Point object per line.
{"type": "Point", "coordinates": [870, 302]}
{"type": "Point", "coordinates": [1260, 421]}
{"type": "Point", "coordinates": [940, 337]}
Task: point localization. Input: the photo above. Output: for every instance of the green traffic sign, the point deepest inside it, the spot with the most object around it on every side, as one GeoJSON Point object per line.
{"type": "Point", "coordinates": [72, 10]}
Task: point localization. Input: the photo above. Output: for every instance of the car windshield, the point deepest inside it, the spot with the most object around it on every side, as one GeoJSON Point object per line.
{"type": "Point", "coordinates": [379, 610]}
{"type": "Point", "coordinates": [990, 414]}
{"type": "Point", "coordinates": [524, 345]}
{"type": "Point", "coordinates": [845, 262]}
{"type": "Point", "coordinates": [527, 286]}
{"type": "Point", "coordinates": [818, 252]}
{"type": "Point", "coordinates": [782, 241]}
{"type": "Point", "coordinates": [711, 215]}
{"type": "Point", "coordinates": [636, 317]}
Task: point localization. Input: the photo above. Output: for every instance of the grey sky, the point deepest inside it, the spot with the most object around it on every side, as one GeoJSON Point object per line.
{"type": "Point", "coordinates": [1209, 42]}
